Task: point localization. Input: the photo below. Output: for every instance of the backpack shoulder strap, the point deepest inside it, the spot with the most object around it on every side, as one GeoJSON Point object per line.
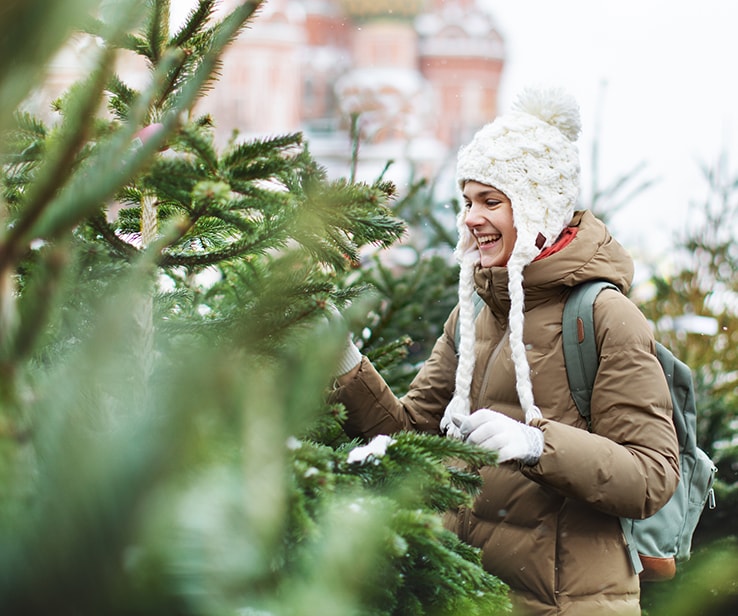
{"type": "Point", "coordinates": [478, 305]}
{"type": "Point", "coordinates": [679, 378]}
{"type": "Point", "coordinates": [580, 348]}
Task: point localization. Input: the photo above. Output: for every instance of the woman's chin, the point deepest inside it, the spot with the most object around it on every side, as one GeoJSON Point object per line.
{"type": "Point", "coordinates": [489, 260]}
{"type": "Point", "coordinates": [492, 260]}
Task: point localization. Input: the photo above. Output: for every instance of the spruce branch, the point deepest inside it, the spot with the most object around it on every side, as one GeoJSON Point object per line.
{"type": "Point", "coordinates": [388, 354]}
{"type": "Point", "coordinates": [120, 246]}
{"type": "Point", "coordinates": [121, 99]}
{"type": "Point", "coordinates": [198, 16]}
{"type": "Point", "coordinates": [99, 28]}
{"type": "Point", "coordinates": [260, 244]}
{"type": "Point", "coordinates": [196, 141]}
{"type": "Point", "coordinates": [158, 29]}
{"type": "Point", "coordinates": [260, 148]}
{"type": "Point", "coordinates": [60, 163]}
{"type": "Point", "coordinates": [204, 74]}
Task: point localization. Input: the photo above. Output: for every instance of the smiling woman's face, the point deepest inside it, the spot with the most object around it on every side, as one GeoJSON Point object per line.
{"type": "Point", "coordinates": [489, 218]}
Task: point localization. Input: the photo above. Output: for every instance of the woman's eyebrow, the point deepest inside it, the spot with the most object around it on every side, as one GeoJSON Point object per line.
{"type": "Point", "coordinates": [484, 193]}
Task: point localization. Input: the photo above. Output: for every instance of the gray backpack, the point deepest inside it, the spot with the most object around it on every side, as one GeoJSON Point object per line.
{"type": "Point", "coordinates": [656, 543]}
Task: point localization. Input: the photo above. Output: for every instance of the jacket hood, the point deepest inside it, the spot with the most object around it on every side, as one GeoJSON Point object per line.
{"type": "Point", "coordinates": [593, 254]}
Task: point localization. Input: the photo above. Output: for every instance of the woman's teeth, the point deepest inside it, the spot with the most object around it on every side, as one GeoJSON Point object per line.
{"type": "Point", "coordinates": [486, 239]}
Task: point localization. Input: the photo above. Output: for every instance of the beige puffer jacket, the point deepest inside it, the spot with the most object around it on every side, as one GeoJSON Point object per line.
{"type": "Point", "coordinates": [550, 530]}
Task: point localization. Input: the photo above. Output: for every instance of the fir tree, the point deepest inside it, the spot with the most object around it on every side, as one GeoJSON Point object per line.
{"type": "Point", "coordinates": [165, 442]}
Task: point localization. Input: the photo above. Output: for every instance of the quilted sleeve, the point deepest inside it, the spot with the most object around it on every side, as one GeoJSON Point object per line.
{"type": "Point", "coordinates": [374, 409]}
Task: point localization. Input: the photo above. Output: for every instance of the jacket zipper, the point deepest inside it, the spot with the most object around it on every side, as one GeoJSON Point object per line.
{"type": "Point", "coordinates": [492, 356]}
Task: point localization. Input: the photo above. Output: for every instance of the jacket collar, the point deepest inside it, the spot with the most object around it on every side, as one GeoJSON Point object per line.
{"type": "Point", "coordinates": [592, 253]}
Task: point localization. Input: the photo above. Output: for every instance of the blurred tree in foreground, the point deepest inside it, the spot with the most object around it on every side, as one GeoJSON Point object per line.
{"type": "Point", "coordinates": [165, 354]}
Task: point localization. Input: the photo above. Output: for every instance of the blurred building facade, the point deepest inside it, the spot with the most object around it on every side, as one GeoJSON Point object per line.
{"type": "Point", "coordinates": [418, 77]}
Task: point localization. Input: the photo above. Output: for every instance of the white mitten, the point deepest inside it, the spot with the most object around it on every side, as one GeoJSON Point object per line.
{"type": "Point", "coordinates": [511, 439]}
{"type": "Point", "coordinates": [350, 358]}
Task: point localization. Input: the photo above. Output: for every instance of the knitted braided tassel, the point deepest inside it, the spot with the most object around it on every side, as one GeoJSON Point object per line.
{"type": "Point", "coordinates": [459, 405]}
{"type": "Point", "coordinates": [520, 360]}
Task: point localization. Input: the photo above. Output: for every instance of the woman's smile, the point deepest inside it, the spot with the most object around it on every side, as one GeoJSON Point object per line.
{"type": "Point", "coordinates": [489, 219]}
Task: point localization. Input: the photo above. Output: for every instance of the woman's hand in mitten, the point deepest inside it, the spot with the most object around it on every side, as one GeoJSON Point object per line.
{"type": "Point", "coordinates": [511, 439]}
{"type": "Point", "coordinates": [350, 358]}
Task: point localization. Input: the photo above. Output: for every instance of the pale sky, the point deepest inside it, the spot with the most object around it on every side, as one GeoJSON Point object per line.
{"type": "Point", "coordinates": [671, 95]}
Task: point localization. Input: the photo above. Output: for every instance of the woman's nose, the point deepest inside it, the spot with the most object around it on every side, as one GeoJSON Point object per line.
{"type": "Point", "coordinates": [473, 216]}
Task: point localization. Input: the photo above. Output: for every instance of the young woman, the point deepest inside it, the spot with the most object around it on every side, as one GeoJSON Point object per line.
{"type": "Point", "coordinates": [547, 517]}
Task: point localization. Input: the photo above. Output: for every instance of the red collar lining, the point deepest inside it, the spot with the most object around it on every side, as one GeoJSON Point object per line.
{"type": "Point", "coordinates": [567, 235]}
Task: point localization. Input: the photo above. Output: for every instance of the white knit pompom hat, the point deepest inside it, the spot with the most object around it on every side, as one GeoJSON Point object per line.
{"type": "Point", "coordinates": [531, 156]}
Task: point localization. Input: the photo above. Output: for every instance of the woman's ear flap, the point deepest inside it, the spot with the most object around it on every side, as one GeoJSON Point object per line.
{"type": "Point", "coordinates": [466, 243]}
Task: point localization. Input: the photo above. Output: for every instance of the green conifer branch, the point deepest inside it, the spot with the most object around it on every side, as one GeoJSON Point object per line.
{"type": "Point", "coordinates": [200, 14]}
{"type": "Point", "coordinates": [59, 164]}
{"type": "Point", "coordinates": [121, 98]}
{"type": "Point", "coordinates": [260, 244]}
{"type": "Point", "coordinates": [203, 76]}
{"type": "Point", "coordinates": [121, 247]}
{"type": "Point", "coordinates": [158, 29]}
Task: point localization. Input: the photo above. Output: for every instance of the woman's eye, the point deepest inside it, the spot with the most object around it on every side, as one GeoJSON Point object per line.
{"type": "Point", "coordinates": [492, 202]}
{"type": "Point", "coordinates": [467, 204]}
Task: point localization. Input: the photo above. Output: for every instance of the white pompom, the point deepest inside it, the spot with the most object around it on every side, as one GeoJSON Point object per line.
{"type": "Point", "coordinates": [554, 106]}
